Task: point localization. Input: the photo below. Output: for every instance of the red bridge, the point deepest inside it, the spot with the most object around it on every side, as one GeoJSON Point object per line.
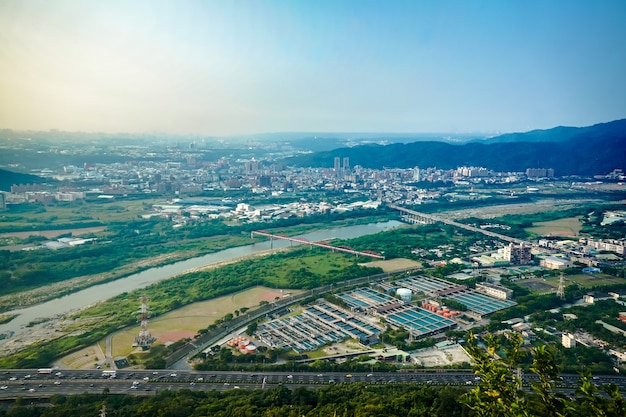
{"type": "Point", "coordinates": [324, 245]}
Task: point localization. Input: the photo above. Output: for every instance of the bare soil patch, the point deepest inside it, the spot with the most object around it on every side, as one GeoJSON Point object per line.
{"type": "Point", "coordinates": [436, 357]}
{"type": "Point", "coordinates": [392, 265]}
{"type": "Point", "coordinates": [536, 285]}
{"type": "Point", "coordinates": [186, 321]}
{"type": "Point", "coordinates": [54, 233]}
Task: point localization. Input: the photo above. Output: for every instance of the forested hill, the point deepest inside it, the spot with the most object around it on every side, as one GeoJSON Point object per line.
{"type": "Point", "coordinates": [8, 178]}
{"type": "Point", "coordinates": [591, 150]}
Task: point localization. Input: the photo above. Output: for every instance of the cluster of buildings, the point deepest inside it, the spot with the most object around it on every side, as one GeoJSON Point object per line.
{"type": "Point", "coordinates": [416, 304]}
{"type": "Point", "coordinates": [556, 254]}
{"type": "Point", "coordinates": [190, 174]}
{"type": "Point", "coordinates": [188, 210]}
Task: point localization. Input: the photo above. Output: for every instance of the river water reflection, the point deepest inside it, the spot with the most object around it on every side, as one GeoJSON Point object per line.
{"type": "Point", "coordinates": [91, 295]}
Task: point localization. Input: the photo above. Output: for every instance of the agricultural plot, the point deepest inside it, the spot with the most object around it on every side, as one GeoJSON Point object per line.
{"type": "Point", "coordinates": [562, 227]}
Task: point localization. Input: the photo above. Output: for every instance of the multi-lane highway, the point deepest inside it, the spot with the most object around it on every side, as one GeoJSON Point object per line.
{"type": "Point", "coordinates": [29, 383]}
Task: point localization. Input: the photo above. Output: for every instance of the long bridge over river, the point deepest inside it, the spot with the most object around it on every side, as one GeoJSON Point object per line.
{"type": "Point", "coordinates": [324, 245]}
{"type": "Point", "coordinates": [413, 216]}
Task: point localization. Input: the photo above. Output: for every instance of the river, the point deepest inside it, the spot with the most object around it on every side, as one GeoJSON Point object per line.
{"type": "Point", "coordinates": [92, 295]}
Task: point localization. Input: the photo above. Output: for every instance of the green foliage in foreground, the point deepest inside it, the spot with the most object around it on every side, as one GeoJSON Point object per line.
{"type": "Point", "coordinates": [500, 390]}
{"type": "Point", "coordinates": [353, 400]}
{"type": "Point", "coordinates": [499, 394]}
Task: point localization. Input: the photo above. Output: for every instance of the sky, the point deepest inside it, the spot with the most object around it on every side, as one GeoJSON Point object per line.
{"type": "Point", "coordinates": [258, 66]}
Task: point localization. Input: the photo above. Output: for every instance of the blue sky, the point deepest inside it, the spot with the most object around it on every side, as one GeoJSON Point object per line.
{"type": "Point", "coordinates": [233, 67]}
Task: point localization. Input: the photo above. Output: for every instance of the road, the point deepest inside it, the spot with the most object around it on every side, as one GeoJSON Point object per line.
{"type": "Point", "coordinates": [457, 224]}
{"type": "Point", "coordinates": [28, 383]}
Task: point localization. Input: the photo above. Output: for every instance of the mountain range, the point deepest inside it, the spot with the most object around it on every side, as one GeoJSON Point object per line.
{"type": "Point", "coordinates": [592, 150]}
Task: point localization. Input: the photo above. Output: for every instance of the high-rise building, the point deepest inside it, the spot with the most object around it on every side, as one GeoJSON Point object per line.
{"type": "Point", "coordinates": [568, 340]}
{"type": "Point", "coordinates": [346, 164]}
{"type": "Point", "coordinates": [540, 172]}
{"type": "Point", "coordinates": [518, 255]}
{"type": "Point", "coordinates": [416, 174]}
{"type": "Point", "coordinates": [337, 167]}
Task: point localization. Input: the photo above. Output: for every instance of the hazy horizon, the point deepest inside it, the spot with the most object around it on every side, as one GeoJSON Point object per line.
{"type": "Point", "coordinates": [234, 68]}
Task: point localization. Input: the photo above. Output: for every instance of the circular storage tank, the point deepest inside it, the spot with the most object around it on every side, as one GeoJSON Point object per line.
{"type": "Point", "coordinates": [404, 293]}
{"type": "Point", "coordinates": [250, 349]}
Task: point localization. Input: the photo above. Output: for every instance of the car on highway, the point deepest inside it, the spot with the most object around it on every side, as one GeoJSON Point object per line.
{"type": "Point", "coordinates": [4, 387]}
{"type": "Point", "coordinates": [57, 382]}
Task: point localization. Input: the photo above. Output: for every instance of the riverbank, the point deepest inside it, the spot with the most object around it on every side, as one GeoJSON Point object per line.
{"type": "Point", "coordinates": [59, 289]}
{"type": "Point", "coordinates": [60, 326]}
{"type": "Point", "coordinates": [48, 322]}
{"type": "Point", "coordinates": [23, 299]}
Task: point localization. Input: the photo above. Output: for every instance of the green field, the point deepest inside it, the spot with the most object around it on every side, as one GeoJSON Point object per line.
{"type": "Point", "coordinates": [587, 280]}
{"type": "Point", "coordinates": [563, 227]}
{"type": "Point", "coordinates": [102, 212]}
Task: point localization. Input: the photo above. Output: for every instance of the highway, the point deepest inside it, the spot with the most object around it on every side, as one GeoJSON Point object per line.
{"type": "Point", "coordinates": [28, 383]}
{"type": "Point", "coordinates": [433, 218]}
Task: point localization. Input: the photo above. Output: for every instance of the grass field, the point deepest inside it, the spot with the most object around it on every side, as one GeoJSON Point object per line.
{"type": "Point", "coordinates": [562, 227]}
{"type": "Point", "coordinates": [106, 212]}
{"type": "Point", "coordinates": [587, 280]}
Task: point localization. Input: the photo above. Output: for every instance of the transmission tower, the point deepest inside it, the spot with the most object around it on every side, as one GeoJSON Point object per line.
{"type": "Point", "coordinates": [560, 292]}
{"type": "Point", "coordinates": [144, 339]}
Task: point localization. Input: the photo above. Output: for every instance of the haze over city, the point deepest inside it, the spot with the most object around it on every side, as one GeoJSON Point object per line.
{"type": "Point", "coordinates": [223, 68]}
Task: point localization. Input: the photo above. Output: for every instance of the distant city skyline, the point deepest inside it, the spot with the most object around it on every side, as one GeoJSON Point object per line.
{"type": "Point", "coordinates": [245, 67]}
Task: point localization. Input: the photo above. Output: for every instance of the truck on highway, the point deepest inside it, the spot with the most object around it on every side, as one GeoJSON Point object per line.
{"type": "Point", "coordinates": [44, 371]}
{"type": "Point", "coordinates": [109, 374]}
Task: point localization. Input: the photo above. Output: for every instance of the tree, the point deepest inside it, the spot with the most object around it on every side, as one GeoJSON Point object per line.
{"type": "Point", "coordinates": [499, 392]}
{"type": "Point", "coordinates": [251, 328]}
